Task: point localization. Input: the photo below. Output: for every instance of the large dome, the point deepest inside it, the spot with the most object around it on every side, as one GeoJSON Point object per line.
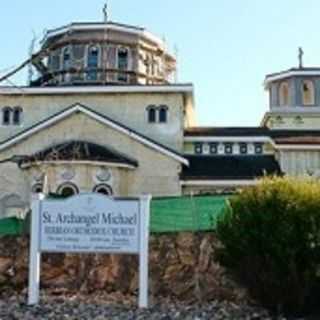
{"type": "Point", "coordinates": [103, 53]}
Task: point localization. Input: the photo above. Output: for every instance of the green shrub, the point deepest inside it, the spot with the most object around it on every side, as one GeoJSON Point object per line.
{"type": "Point", "coordinates": [271, 239]}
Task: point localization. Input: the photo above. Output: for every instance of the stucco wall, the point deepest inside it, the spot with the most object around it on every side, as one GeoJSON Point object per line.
{"type": "Point", "coordinates": [129, 109]}
{"type": "Point", "coordinates": [157, 174]}
{"type": "Point", "coordinates": [300, 162]}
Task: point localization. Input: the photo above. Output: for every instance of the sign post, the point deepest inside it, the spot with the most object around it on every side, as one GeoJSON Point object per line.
{"type": "Point", "coordinates": [90, 223]}
{"type": "Point", "coordinates": [34, 255]}
{"type": "Point", "coordinates": [144, 252]}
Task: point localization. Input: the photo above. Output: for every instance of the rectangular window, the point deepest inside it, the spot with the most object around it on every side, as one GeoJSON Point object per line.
{"type": "Point", "coordinates": [228, 148]}
{"type": "Point", "coordinates": [243, 148]}
{"type": "Point", "coordinates": [213, 148]}
{"type": "Point", "coordinates": [198, 148]}
{"type": "Point", "coordinates": [258, 148]}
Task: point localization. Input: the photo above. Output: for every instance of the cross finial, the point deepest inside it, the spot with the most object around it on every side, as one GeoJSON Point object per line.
{"type": "Point", "coordinates": [301, 53]}
{"type": "Point", "coordinates": [105, 12]}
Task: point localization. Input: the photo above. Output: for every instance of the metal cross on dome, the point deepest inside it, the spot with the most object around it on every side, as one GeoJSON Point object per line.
{"type": "Point", "coordinates": [301, 53]}
{"type": "Point", "coordinates": [105, 12]}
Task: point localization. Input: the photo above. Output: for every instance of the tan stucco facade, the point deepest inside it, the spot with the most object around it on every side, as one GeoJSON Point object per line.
{"type": "Point", "coordinates": [156, 173]}
{"type": "Point", "coordinates": [129, 109]}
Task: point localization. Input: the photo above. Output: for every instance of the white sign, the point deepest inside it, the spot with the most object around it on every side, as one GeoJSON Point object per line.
{"type": "Point", "coordinates": [90, 223]}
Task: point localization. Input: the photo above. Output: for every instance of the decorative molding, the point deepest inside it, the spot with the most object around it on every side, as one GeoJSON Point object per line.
{"type": "Point", "coordinates": [68, 173]}
{"type": "Point", "coordinates": [84, 162]}
{"type": "Point", "coordinates": [103, 174]}
{"type": "Point", "coordinates": [217, 183]}
{"type": "Point", "coordinates": [239, 139]}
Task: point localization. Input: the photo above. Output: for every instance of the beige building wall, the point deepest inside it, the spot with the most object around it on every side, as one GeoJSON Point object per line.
{"type": "Point", "coordinates": [300, 162]}
{"type": "Point", "coordinates": [126, 108]}
{"type": "Point", "coordinates": [157, 174]}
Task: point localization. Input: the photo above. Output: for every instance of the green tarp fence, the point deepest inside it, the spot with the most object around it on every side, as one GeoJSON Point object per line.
{"type": "Point", "coordinates": [11, 226]}
{"type": "Point", "coordinates": [186, 213]}
{"type": "Point", "coordinates": [167, 215]}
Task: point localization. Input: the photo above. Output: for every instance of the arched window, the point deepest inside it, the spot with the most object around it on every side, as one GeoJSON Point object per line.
{"type": "Point", "coordinates": [163, 114]}
{"type": "Point", "coordinates": [151, 114]}
{"type": "Point", "coordinates": [17, 112]}
{"type": "Point", "coordinates": [123, 64]}
{"type": "Point", "coordinates": [93, 63]}
{"type": "Point", "coordinates": [103, 189]}
{"type": "Point", "coordinates": [6, 116]}
{"type": "Point", "coordinates": [67, 189]}
{"type": "Point", "coordinates": [37, 188]}
{"type": "Point", "coordinates": [284, 94]}
{"type": "Point", "coordinates": [308, 94]}
{"type": "Point", "coordinates": [66, 58]}
{"type": "Point", "coordinates": [66, 63]}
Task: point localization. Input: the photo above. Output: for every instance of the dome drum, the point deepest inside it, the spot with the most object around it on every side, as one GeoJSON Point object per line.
{"type": "Point", "coordinates": [103, 56]}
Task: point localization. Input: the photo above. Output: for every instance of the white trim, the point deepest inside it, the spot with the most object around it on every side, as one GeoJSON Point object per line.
{"type": "Point", "coordinates": [240, 139]}
{"type": "Point", "coordinates": [86, 162]}
{"type": "Point", "coordinates": [297, 147]}
{"type": "Point", "coordinates": [188, 88]}
{"type": "Point", "coordinates": [304, 109]}
{"type": "Point", "coordinates": [218, 182]}
{"type": "Point", "coordinates": [104, 27]}
{"type": "Point", "coordinates": [79, 108]}
{"type": "Point", "coordinates": [288, 74]}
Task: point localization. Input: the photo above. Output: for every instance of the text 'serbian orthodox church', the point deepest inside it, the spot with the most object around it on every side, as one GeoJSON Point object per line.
{"type": "Point", "coordinates": [105, 115]}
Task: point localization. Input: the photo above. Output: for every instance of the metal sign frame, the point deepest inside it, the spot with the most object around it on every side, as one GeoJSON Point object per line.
{"type": "Point", "coordinates": [36, 246]}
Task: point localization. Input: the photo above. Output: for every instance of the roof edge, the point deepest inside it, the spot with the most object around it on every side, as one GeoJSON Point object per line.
{"type": "Point", "coordinates": [171, 88]}
{"type": "Point", "coordinates": [290, 73]}
{"type": "Point", "coordinates": [78, 26]}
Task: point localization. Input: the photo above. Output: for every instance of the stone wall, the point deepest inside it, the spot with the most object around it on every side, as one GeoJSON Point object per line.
{"type": "Point", "coordinates": [182, 266]}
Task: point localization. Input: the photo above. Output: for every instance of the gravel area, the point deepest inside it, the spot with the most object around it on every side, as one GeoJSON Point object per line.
{"type": "Point", "coordinates": [104, 307]}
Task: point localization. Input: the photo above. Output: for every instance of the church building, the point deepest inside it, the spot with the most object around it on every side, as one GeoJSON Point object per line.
{"type": "Point", "coordinates": [105, 115]}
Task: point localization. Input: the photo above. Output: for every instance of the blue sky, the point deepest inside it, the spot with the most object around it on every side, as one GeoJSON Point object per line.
{"type": "Point", "coordinates": [225, 47]}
